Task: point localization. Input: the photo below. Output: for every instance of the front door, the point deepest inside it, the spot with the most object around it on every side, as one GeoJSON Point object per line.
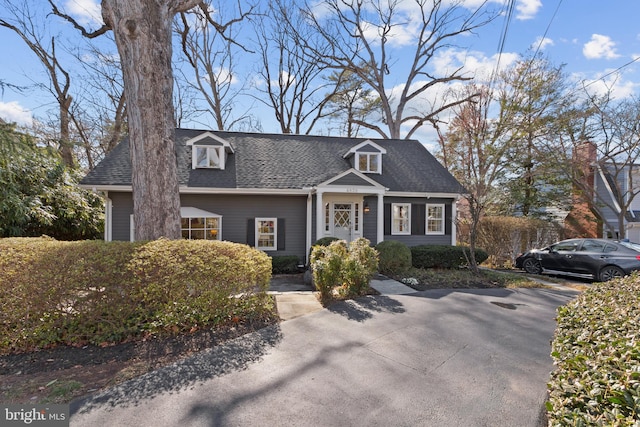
{"type": "Point", "coordinates": [343, 221]}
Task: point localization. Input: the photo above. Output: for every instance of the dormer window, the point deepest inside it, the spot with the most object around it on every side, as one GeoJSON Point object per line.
{"type": "Point", "coordinates": [209, 151]}
{"type": "Point", "coordinates": [368, 162]}
{"type": "Point", "coordinates": [366, 157]}
{"type": "Point", "coordinates": [208, 157]}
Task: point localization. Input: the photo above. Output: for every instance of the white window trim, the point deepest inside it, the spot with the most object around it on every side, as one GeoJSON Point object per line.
{"type": "Point", "coordinates": [395, 232]}
{"type": "Point", "coordinates": [275, 234]}
{"type": "Point", "coordinates": [442, 221]}
{"type": "Point", "coordinates": [221, 153]}
{"type": "Point", "coordinates": [368, 170]}
{"type": "Point", "coordinates": [218, 217]}
{"type": "Point", "coordinates": [132, 227]}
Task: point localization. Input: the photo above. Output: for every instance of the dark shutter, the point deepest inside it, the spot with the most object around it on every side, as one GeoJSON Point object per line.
{"type": "Point", "coordinates": [280, 234]}
{"type": "Point", "coordinates": [418, 212]}
{"type": "Point", "coordinates": [387, 219]}
{"type": "Point", "coordinates": [251, 232]}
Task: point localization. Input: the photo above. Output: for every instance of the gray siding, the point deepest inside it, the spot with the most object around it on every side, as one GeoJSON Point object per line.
{"type": "Point", "coordinates": [122, 209]}
{"type": "Point", "coordinates": [236, 211]}
{"type": "Point", "coordinates": [416, 239]}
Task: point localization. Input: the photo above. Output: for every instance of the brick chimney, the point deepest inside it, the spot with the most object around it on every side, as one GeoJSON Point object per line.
{"type": "Point", "coordinates": [581, 222]}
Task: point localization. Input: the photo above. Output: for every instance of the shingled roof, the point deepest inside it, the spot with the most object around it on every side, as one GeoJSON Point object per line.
{"type": "Point", "coordinates": [280, 161]}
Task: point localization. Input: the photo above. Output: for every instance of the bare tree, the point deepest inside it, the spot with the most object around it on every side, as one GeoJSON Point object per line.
{"type": "Point", "coordinates": [29, 28]}
{"type": "Point", "coordinates": [291, 72]}
{"type": "Point", "coordinates": [361, 36]}
{"type": "Point", "coordinates": [210, 51]}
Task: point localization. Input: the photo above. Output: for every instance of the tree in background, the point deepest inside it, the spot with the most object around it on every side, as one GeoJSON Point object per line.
{"type": "Point", "coordinates": [210, 51]}
{"type": "Point", "coordinates": [29, 28]}
{"type": "Point", "coordinates": [351, 103]}
{"type": "Point", "coordinates": [39, 195]}
{"type": "Point", "coordinates": [290, 72]}
{"type": "Point", "coordinates": [359, 38]}
{"type": "Point", "coordinates": [473, 149]}
{"type": "Point", "coordinates": [536, 94]}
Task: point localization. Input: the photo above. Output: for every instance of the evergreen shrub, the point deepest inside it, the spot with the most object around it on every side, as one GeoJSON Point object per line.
{"type": "Point", "coordinates": [394, 257]}
{"type": "Point", "coordinates": [443, 256]}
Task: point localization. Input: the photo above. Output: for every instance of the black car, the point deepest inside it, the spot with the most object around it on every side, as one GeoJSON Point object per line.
{"type": "Point", "coordinates": [597, 259]}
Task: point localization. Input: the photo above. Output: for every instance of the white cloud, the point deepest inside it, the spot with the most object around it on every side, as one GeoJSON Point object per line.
{"type": "Point", "coordinates": [600, 47]}
{"type": "Point", "coordinates": [14, 112]}
{"type": "Point", "coordinates": [541, 43]}
{"type": "Point", "coordinates": [527, 9]}
{"type": "Point", "coordinates": [476, 64]}
{"type": "Point", "coordinates": [86, 12]}
{"type": "Point", "coordinates": [609, 82]}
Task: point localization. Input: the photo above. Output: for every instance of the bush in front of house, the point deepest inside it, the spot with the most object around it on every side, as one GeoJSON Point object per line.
{"type": "Point", "coordinates": [443, 256]}
{"type": "Point", "coordinates": [285, 264]}
{"type": "Point", "coordinates": [342, 269]}
{"type": "Point", "coordinates": [394, 257]}
{"type": "Point", "coordinates": [596, 351]}
{"type": "Point", "coordinates": [95, 292]}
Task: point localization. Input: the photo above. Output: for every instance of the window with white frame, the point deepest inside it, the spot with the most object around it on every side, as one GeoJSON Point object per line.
{"type": "Point", "coordinates": [267, 234]}
{"type": "Point", "coordinates": [401, 221]}
{"type": "Point", "coordinates": [208, 157]}
{"type": "Point", "coordinates": [207, 228]}
{"type": "Point", "coordinates": [435, 219]}
{"type": "Point", "coordinates": [368, 162]}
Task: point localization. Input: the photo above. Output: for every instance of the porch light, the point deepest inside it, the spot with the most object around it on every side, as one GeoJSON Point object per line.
{"type": "Point", "coordinates": [365, 208]}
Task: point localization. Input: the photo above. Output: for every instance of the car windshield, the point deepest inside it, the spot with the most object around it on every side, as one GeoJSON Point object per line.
{"type": "Point", "coordinates": [634, 246]}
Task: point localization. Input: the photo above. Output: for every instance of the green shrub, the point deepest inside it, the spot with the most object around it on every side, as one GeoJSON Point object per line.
{"type": "Point", "coordinates": [342, 269]}
{"type": "Point", "coordinates": [285, 264]}
{"type": "Point", "coordinates": [443, 256]}
{"type": "Point", "coordinates": [54, 292]}
{"type": "Point", "coordinates": [325, 241]}
{"type": "Point", "coordinates": [394, 257]}
{"type": "Point", "coordinates": [596, 351]}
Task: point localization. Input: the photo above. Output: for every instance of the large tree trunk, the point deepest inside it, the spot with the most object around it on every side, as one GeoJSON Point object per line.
{"type": "Point", "coordinates": [142, 30]}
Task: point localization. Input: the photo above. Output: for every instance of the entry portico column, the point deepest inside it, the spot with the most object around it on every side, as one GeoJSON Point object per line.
{"type": "Point", "coordinates": [319, 215]}
{"type": "Point", "coordinates": [380, 211]}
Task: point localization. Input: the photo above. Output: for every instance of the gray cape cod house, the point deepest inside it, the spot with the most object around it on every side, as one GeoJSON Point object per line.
{"type": "Point", "coordinates": [280, 193]}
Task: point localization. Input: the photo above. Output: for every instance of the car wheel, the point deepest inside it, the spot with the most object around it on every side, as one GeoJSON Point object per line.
{"type": "Point", "coordinates": [610, 272]}
{"type": "Point", "coordinates": [532, 266]}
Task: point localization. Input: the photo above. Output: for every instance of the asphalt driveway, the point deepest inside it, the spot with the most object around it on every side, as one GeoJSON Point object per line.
{"type": "Point", "coordinates": [434, 358]}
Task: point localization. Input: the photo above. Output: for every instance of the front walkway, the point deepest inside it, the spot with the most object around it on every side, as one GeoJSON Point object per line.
{"type": "Point", "coordinates": [296, 298]}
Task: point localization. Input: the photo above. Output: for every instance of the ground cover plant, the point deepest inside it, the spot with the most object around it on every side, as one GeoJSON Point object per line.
{"type": "Point", "coordinates": [422, 279]}
{"type": "Point", "coordinates": [596, 351]}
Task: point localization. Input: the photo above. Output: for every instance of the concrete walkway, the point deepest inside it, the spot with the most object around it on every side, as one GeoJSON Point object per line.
{"type": "Point", "coordinates": [296, 299]}
{"type": "Point", "coordinates": [442, 357]}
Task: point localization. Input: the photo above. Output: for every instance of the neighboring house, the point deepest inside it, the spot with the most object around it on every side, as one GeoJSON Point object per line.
{"type": "Point", "coordinates": [617, 190]}
{"type": "Point", "coordinates": [614, 189]}
{"type": "Point", "coordinates": [280, 193]}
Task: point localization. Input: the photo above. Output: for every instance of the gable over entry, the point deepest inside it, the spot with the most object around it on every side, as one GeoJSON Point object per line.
{"type": "Point", "coordinates": [340, 206]}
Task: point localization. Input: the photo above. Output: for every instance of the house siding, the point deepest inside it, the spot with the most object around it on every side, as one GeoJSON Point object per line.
{"type": "Point", "coordinates": [417, 236]}
{"type": "Point", "coordinates": [236, 212]}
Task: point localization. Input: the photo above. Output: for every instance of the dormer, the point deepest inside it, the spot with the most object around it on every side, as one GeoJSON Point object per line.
{"type": "Point", "coordinates": [366, 157]}
{"type": "Point", "coordinates": [209, 151]}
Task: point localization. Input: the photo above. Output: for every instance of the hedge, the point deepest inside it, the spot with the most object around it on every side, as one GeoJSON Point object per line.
{"type": "Point", "coordinates": [394, 257]}
{"type": "Point", "coordinates": [443, 256]}
{"type": "Point", "coordinates": [96, 292]}
{"type": "Point", "coordinates": [596, 351]}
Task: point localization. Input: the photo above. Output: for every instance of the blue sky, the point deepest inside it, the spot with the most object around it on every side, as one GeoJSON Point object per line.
{"type": "Point", "coordinates": [598, 41]}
